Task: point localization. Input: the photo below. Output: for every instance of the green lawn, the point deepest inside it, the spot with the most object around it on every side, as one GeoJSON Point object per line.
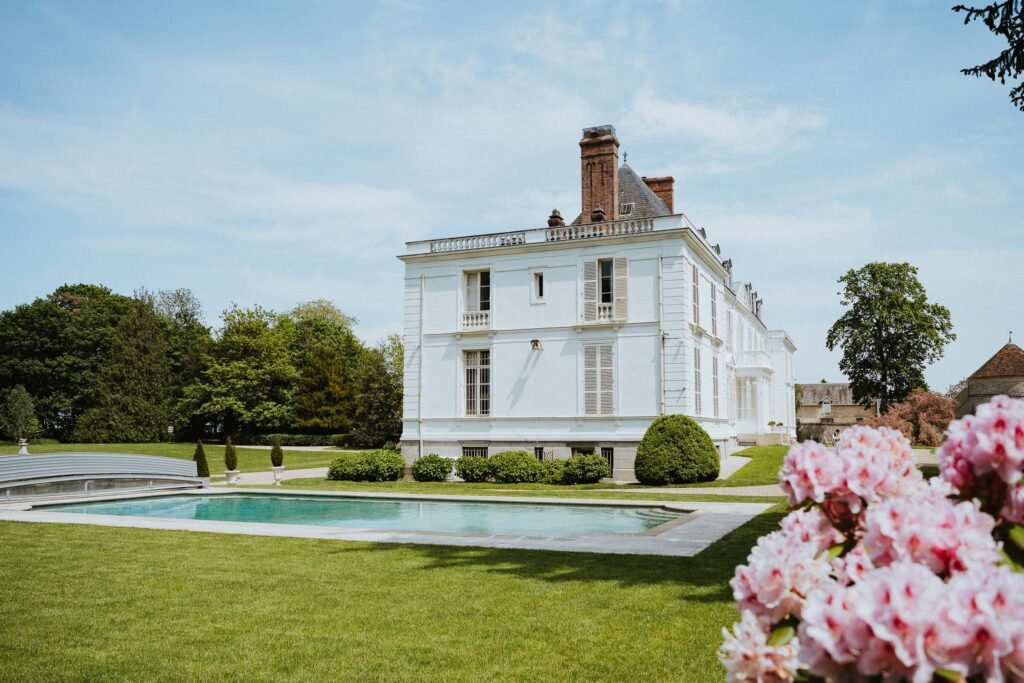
{"type": "Point", "coordinates": [763, 468]}
{"type": "Point", "coordinates": [249, 459]}
{"type": "Point", "coordinates": [93, 603]}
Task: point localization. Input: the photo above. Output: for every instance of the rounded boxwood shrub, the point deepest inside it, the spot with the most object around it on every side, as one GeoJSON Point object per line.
{"type": "Point", "coordinates": [431, 467]}
{"type": "Point", "coordinates": [473, 468]}
{"type": "Point", "coordinates": [382, 465]}
{"type": "Point", "coordinates": [551, 472]}
{"type": "Point", "coordinates": [675, 450]}
{"type": "Point", "coordinates": [346, 467]}
{"type": "Point", "coordinates": [586, 468]}
{"type": "Point", "coordinates": [514, 467]}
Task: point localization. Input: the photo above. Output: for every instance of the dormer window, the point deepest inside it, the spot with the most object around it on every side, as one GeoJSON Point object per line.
{"type": "Point", "coordinates": [626, 209]}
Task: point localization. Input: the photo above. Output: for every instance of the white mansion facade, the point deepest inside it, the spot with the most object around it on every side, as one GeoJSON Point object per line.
{"type": "Point", "coordinates": [575, 337]}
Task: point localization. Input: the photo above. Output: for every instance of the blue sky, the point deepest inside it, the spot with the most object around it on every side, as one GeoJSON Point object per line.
{"type": "Point", "coordinates": [278, 152]}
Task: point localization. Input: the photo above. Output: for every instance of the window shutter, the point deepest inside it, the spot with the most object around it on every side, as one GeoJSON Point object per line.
{"type": "Point", "coordinates": [472, 292]}
{"type": "Point", "coordinates": [590, 290]}
{"type": "Point", "coordinates": [607, 379]}
{"type": "Point", "coordinates": [590, 398]}
{"type": "Point", "coordinates": [621, 283]}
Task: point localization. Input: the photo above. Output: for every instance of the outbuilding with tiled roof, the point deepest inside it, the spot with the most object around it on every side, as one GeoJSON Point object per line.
{"type": "Point", "coordinates": [1003, 373]}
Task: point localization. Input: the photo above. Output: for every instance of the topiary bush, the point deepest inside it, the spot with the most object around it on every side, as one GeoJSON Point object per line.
{"type": "Point", "coordinates": [473, 468]}
{"type": "Point", "coordinates": [230, 456]}
{"type": "Point", "coordinates": [675, 450]}
{"type": "Point", "coordinates": [586, 468]}
{"type": "Point", "coordinates": [202, 467]}
{"type": "Point", "coordinates": [431, 467]}
{"type": "Point", "coordinates": [346, 467]}
{"type": "Point", "coordinates": [514, 467]}
{"type": "Point", "coordinates": [367, 466]}
{"type": "Point", "coordinates": [276, 453]}
{"type": "Point", "coordinates": [551, 472]}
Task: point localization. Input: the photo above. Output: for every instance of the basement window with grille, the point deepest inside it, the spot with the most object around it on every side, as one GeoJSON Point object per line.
{"type": "Point", "coordinates": [474, 451]}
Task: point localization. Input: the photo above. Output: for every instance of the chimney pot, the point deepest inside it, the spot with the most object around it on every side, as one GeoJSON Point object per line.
{"type": "Point", "coordinates": [599, 165]}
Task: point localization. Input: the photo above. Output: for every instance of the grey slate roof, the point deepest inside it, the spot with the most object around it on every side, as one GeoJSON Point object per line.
{"type": "Point", "coordinates": [633, 190]}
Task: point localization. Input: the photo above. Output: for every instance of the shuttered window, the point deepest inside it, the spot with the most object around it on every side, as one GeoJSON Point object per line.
{"type": "Point", "coordinates": [696, 296]}
{"type": "Point", "coordinates": [598, 379]}
{"type": "Point", "coordinates": [697, 392]}
{"type": "Point", "coordinates": [605, 284]}
{"type": "Point", "coordinates": [714, 310]}
{"type": "Point", "coordinates": [714, 383]}
{"type": "Point", "coordinates": [478, 291]}
{"type": "Point", "coordinates": [478, 382]}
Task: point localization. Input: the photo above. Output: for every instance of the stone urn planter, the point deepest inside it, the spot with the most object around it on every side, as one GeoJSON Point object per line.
{"type": "Point", "coordinates": [232, 476]}
{"type": "Point", "coordinates": [278, 473]}
{"type": "Point", "coordinates": [22, 446]}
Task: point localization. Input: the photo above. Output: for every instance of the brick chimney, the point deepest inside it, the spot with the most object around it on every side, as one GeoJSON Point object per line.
{"type": "Point", "coordinates": [663, 188]}
{"type": "Point", "coordinates": [599, 161]}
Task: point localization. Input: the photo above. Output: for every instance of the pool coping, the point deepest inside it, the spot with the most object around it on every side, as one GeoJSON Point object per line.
{"type": "Point", "coordinates": [685, 537]}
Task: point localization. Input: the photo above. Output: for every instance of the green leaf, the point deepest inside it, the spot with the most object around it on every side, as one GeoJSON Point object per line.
{"type": "Point", "coordinates": [949, 675]}
{"type": "Point", "coordinates": [1016, 535]}
{"type": "Point", "coordinates": [782, 634]}
{"type": "Point", "coordinates": [835, 551]}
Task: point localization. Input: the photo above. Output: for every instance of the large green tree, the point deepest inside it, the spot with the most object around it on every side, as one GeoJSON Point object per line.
{"type": "Point", "coordinates": [1006, 20]}
{"type": "Point", "coordinates": [889, 333]}
{"type": "Point", "coordinates": [57, 346]}
{"type": "Point", "coordinates": [378, 405]}
{"type": "Point", "coordinates": [134, 385]}
{"type": "Point", "coordinates": [250, 379]}
{"type": "Point", "coordinates": [326, 353]}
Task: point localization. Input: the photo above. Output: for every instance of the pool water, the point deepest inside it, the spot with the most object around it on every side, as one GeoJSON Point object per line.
{"type": "Point", "coordinates": [515, 519]}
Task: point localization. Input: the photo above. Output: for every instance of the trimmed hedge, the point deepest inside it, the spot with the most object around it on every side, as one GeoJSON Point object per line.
{"type": "Point", "coordinates": [377, 465]}
{"type": "Point", "coordinates": [473, 468]}
{"type": "Point", "coordinates": [586, 469]}
{"type": "Point", "coordinates": [676, 450]}
{"type": "Point", "coordinates": [551, 472]}
{"type": "Point", "coordinates": [276, 454]}
{"type": "Point", "coordinates": [514, 467]}
{"type": "Point", "coordinates": [230, 456]}
{"type": "Point", "coordinates": [288, 440]}
{"type": "Point", "coordinates": [202, 466]}
{"type": "Point", "coordinates": [432, 467]}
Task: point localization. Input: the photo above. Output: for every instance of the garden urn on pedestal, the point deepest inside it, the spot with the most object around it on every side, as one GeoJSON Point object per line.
{"type": "Point", "coordinates": [278, 474]}
{"type": "Point", "coordinates": [22, 446]}
{"type": "Point", "coordinates": [232, 476]}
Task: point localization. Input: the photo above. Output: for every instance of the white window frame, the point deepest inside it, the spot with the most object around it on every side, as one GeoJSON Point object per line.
{"type": "Point", "coordinates": [714, 310]}
{"type": "Point", "coordinates": [475, 409]}
{"type": "Point", "coordinates": [698, 393]}
{"type": "Point", "coordinates": [594, 309]}
{"type": "Point", "coordinates": [605, 399]}
{"type": "Point", "coordinates": [466, 277]}
{"type": "Point", "coordinates": [696, 295]}
{"type": "Point", "coordinates": [714, 384]}
{"type": "Point", "coordinates": [537, 278]}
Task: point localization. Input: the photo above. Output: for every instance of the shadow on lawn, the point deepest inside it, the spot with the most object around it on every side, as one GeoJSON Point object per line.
{"type": "Point", "coordinates": [709, 571]}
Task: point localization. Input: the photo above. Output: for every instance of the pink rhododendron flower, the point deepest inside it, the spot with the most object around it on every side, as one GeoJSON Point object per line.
{"type": "Point", "coordinates": [991, 440]}
{"type": "Point", "coordinates": [779, 574]}
{"type": "Point", "coordinates": [853, 566]}
{"type": "Point", "coordinates": [934, 531]}
{"type": "Point", "coordinates": [810, 525]}
{"type": "Point", "coordinates": [748, 657]}
{"type": "Point", "coordinates": [1013, 510]}
{"type": "Point", "coordinates": [810, 472]}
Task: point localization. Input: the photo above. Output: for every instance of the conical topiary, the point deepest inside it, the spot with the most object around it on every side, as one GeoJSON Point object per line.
{"type": "Point", "coordinates": [202, 467]}
{"type": "Point", "coordinates": [276, 454]}
{"type": "Point", "coordinates": [230, 456]}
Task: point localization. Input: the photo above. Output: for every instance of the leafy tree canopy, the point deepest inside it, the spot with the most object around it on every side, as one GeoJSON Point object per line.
{"type": "Point", "coordinates": [17, 415]}
{"type": "Point", "coordinates": [1004, 19]}
{"type": "Point", "coordinates": [889, 332]}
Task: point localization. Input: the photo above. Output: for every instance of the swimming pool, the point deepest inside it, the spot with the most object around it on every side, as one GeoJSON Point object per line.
{"type": "Point", "coordinates": [432, 516]}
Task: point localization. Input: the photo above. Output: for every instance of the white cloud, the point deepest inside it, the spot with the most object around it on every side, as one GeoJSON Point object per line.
{"type": "Point", "coordinates": [739, 129]}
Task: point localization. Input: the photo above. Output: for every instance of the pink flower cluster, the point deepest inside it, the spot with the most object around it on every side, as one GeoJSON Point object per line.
{"type": "Point", "coordinates": [932, 530]}
{"type": "Point", "coordinates": [749, 658]}
{"type": "Point", "coordinates": [886, 575]}
{"type": "Point", "coordinates": [990, 441]}
{"type": "Point", "coordinates": [904, 623]}
{"type": "Point", "coordinates": [868, 465]}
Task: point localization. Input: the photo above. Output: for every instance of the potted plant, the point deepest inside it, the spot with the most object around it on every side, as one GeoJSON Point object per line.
{"type": "Point", "coordinates": [231, 462]}
{"type": "Point", "coordinates": [18, 417]}
{"type": "Point", "coordinates": [277, 460]}
{"type": "Point", "coordinates": [202, 467]}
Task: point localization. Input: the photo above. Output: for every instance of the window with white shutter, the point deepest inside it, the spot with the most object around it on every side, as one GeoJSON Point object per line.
{"type": "Point", "coordinates": [714, 311]}
{"type": "Point", "coordinates": [714, 383]}
{"type": "Point", "coordinates": [478, 382]}
{"type": "Point", "coordinates": [605, 284]}
{"type": "Point", "coordinates": [621, 284]}
{"type": "Point", "coordinates": [697, 393]}
{"type": "Point", "coordinates": [598, 379]}
{"type": "Point", "coordinates": [696, 296]}
{"type": "Point", "coordinates": [590, 291]}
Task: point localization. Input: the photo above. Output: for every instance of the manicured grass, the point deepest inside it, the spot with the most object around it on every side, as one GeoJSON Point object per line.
{"type": "Point", "coordinates": [763, 468]}
{"type": "Point", "coordinates": [249, 459]}
{"type": "Point", "coordinates": [588, 491]}
{"type": "Point", "coordinates": [81, 603]}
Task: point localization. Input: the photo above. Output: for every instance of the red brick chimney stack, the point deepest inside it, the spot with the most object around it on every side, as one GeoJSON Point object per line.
{"type": "Point", "coordinates": [663, 188]}
{"type": "Point", "coordinates": [599, 160]}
